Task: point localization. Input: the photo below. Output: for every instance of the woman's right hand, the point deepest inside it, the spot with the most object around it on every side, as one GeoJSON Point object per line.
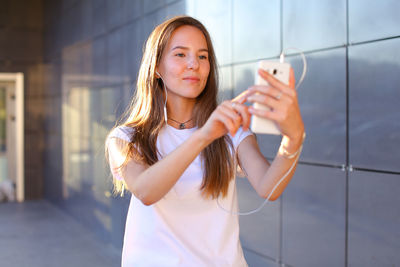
{"type": "Point", "coordinates": [227, 117]}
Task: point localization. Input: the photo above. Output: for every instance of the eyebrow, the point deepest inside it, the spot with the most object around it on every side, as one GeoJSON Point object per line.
{"type": "Point", "coordinates": [187, 48]}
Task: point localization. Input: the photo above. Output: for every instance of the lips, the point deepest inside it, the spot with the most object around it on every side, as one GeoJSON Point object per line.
{"type": "Point", "coordinates": [191, 79]}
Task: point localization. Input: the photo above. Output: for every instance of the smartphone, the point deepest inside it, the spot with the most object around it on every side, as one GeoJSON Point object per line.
{"type": "Point", "coordinates": [281, 72]}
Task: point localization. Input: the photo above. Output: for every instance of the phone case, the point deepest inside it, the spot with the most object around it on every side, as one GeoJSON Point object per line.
{"type": "Point", "coordinates": [281, 72]}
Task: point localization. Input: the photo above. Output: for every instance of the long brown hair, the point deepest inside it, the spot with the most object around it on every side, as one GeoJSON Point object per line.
{"type": "Point", "coordinates": [146, 114]}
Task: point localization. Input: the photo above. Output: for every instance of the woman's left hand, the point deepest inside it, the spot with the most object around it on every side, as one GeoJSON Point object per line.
{"type": "Point", "coordinates": [282, 100]}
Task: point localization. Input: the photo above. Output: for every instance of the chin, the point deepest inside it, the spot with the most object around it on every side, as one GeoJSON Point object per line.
{"type": "Point", "coordinates": [191, 97]}
{"type": "Point", "coordinates": [193, 94]}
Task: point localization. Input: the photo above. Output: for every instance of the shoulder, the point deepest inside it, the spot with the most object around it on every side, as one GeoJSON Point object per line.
{"type": "Point", "coordinates": [117, 141]}
{"type": "Point", "coordinates": [239, 136]}
{"type": "Point", "coordinates": [122, 132]}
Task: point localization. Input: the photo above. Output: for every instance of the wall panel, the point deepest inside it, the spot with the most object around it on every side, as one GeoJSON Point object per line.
{"type": "Point", "coordinates": [374, 219]}
{"type": "Point", "coordinates": [374, 98]}
{"type": "Point", "coordinates": [314, 217]}
{"type": "Point", "coordinates": [314, 24]}
{"type": "Point", "coordinates": [369, 19]}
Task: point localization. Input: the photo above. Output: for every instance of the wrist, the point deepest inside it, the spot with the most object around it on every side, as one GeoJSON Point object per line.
{"type": "Point", "coordinates": [291, 145]}
{"type": "Point", "coordinates": [202, 138]}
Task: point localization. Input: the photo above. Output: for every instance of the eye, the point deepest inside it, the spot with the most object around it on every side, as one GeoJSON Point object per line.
{"type": "Point", "coordinates": [180, 54]}
{"type": "Point", "coordinates": [203, 57]}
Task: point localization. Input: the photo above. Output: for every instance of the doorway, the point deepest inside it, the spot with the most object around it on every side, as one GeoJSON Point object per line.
{"type": "Point", "coordinates": [12, 131]}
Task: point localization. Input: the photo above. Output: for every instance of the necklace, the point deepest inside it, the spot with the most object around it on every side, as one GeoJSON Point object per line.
{"type": "Point", "coordinates": [181, 124]}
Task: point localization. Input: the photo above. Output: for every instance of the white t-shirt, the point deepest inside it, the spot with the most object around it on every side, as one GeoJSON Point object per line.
{"type": "Point", "coordinates": [183, 228]}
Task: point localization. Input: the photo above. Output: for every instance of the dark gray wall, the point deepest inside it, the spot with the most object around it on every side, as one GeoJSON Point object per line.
{"type": "Point", "coordinates": [21, 50]}
{"type": "Point", "coordinates": [92, 50]}
{"type": "Point", "coordinates": [340, 208]}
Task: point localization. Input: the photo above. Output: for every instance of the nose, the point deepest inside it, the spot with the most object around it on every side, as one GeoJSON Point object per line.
{"type": "Point", "coordinates": [193, 62]}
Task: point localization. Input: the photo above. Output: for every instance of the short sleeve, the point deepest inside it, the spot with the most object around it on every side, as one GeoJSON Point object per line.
{"type": "Point", "coordinates": [121, 132]}
{"type": "Point", "coordinates": [116, 143]}
{"type": "Point", "coordinates": [239, 137]}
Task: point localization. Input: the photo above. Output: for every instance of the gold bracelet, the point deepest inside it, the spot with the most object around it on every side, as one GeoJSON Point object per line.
{"type": "Point", "coordinates": [288, 155]}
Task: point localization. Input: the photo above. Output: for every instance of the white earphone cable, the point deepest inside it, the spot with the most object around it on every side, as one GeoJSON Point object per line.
{"type": "Point", "coordinates": [166, 98]}
{"type": "Point", "coordinates": [270, 194]}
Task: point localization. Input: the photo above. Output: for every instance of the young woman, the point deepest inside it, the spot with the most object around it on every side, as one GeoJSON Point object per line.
{"type": "Point", "coordinates": [177, 152]}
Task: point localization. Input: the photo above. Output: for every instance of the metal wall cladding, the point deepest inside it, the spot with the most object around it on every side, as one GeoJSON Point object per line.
{"type": "Point", "coordinates": [374, 219]}
{"type": "Point", "coordinates": [374, 114]}
{"type": "Point", "coordinates": [371, 20]}
{"type": "Point", "coordinates": [313, 24]}
{"type": "Point", "coordinates": [259, 232]}
{"type": "Point", "coordinates": [256, 30]}
{"type": "Point", "coordinates": [322, 100]}
{"type": "Point", "coordinates": [225, 84]}
{"type": "Point", "coordinates": [313, 217]}
{"type": "Point", "coordinates": [254, 259]}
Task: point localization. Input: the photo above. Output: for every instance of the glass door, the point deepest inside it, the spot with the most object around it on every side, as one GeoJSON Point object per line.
{"type": "Point", "coordinates": [12, 171]}
{"type": "Point", "coordinates": [3, 133]}
{"type": "Point", "coordinates": [8, 147]}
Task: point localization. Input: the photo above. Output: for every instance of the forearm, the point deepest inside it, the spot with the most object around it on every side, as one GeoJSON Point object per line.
{"type": "Point", "coordinates": [281, 165]}
{"type": "Point", "coordinates": [156, 181]}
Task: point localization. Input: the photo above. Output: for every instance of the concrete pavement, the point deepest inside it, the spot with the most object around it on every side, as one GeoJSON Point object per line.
{"type": "Point", "coordinates": [38, 234]}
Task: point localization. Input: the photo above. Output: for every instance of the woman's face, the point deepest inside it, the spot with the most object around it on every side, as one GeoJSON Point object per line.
{"type": "Point", "coordinates": [184, 65]}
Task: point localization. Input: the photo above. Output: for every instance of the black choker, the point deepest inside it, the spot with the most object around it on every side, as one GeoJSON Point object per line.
{"type": "Point", "coordinates": [181, 124]}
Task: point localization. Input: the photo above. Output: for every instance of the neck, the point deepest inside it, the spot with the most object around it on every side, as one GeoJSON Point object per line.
{"type": "Point", "coordinates": [181, 111]}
